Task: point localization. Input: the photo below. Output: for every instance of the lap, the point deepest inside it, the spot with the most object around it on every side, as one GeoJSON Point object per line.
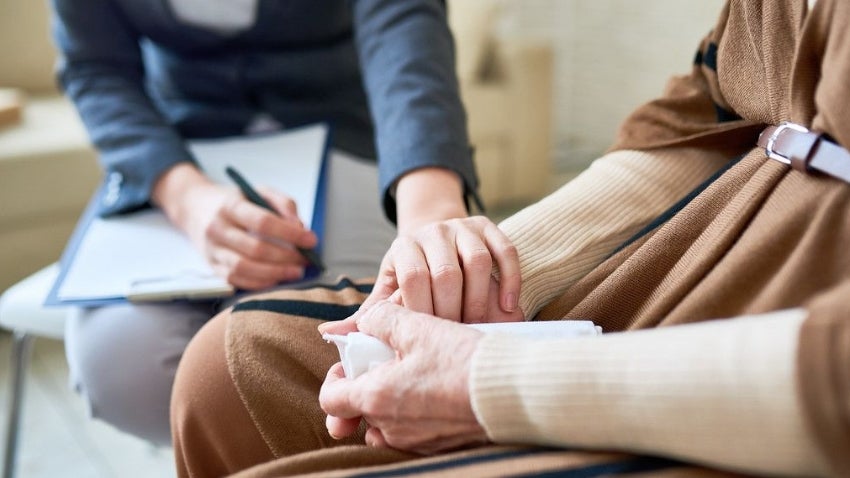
{"type": "Point", "coordinates": [489, 461]}
{"type": "Point", "coordinates": [278, 360]}
{"type": "Point", "coordinates": [254, 371]}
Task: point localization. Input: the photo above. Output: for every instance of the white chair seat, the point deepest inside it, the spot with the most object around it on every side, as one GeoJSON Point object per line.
{"type": "Point", "coordinates": [22, 309]}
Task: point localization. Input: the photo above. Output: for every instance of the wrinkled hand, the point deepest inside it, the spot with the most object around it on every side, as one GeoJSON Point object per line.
{"type": "Point", "coordinates": [445, 269]}
{"type": "Point", "coordinates": [418, 402]}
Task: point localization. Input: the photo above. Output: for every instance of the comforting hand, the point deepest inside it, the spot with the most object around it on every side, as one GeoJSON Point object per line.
{"type": "Point", "coordinates": [248, 245]}
{"type": "Point", "coordinates": [493, 313]}
{"type": "Point", "coordinates": [418, 402]}
{"type": "Point", "coordinates": [442, 260]}
{"type": "Point", "coordinates": [445, 269]}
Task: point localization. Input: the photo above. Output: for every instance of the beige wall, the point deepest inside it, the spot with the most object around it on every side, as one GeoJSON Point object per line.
{"type": "Point", "coordinates": [26, 49]}
{"type": "Point", "coordinates": [610, 56]}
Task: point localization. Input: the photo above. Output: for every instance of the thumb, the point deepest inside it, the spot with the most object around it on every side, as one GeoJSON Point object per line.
{"type": "Point", "coordinates": [396, 326]}
{"type": "Point", "coordinates": [283, 204]}
{"type": "Point", "coordinates": [339, 327]}
{"type": "Point", "coordinates": [349, 324]}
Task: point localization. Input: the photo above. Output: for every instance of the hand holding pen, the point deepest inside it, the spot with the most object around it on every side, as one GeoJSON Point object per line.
{"type": "Point", "coordinates": [244, 243]}
{"type": "Point", "coordinates": [254, 197]}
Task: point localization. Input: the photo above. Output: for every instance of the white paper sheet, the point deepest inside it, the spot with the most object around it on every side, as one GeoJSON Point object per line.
{"type": "Point", "coordinates": [142, 256]}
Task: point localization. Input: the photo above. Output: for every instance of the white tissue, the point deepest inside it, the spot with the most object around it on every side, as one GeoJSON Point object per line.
{"type": "Point", "coordinates": [359, 352]}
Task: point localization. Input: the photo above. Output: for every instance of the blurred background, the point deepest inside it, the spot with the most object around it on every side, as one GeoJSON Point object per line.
{"type": "Point", "coordinates": [545, 82]}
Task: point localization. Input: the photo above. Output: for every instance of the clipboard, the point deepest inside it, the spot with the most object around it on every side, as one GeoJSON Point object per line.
{"type": "Point", "coordinates": [142, 257]}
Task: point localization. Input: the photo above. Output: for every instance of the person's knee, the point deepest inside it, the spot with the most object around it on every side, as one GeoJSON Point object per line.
{"type": "Point", "coordinates": [201, 376]}
{"type": "Point", "coordinates": [207, 413]}
{"type": "Point", "coordinates": [124, 369]}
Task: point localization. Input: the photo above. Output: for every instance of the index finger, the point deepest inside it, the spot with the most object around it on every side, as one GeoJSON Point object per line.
{"type": "Point", "coordinates": [386, 282]}
{"type": "Point", "coordinates": [283, 204]}
{"type": "Point", "coordinates": [404, 268]}
{"type": "Point", "coordinates": [259, 220]}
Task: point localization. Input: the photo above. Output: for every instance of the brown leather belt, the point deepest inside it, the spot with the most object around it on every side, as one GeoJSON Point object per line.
{"type": "Point", "coordinates": [805, 151]}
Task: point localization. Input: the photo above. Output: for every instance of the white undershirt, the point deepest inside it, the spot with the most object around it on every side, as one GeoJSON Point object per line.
{"type": "Point", "coordinates": [222, 16]}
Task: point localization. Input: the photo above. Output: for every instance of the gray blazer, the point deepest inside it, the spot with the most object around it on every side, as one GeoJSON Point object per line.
{"type": "Point", "coordinates": [380, 71]}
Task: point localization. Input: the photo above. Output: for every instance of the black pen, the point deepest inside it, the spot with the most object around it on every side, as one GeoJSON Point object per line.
{"type": "Point", "coordinates": [255, 198]}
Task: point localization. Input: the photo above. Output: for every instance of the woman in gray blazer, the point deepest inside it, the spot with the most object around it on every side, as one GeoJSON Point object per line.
{"type": "Point", "coordinates": [146, 75]}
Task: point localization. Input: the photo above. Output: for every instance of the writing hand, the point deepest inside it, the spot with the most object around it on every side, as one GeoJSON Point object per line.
{"type": "Point", "coordinates": [252, 247]}
{"type": "Point", "coordinates": [248, 245]}
{"type": "Point", "coordinates": [418, 402]}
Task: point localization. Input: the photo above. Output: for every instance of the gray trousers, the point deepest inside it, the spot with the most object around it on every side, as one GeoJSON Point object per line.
{"type": "Point", "coordinates": [123, 358]}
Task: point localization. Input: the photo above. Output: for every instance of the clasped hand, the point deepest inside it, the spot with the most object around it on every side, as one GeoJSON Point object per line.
{"type": "Point", "coordinates": [446, 269]}
{"type": "Point", "coordinates": [420, 401]}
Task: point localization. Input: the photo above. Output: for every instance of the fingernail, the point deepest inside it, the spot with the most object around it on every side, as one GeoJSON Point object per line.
{"type": "Point", "coordinates": [510, 302]}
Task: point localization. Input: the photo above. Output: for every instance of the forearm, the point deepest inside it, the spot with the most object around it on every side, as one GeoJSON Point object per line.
{"type": "Point", "coordinates": [428, 195]}
{"type": "Point", "coordinates": [568, 233]}
{"type": "Point", "coordinates": [721, 393]}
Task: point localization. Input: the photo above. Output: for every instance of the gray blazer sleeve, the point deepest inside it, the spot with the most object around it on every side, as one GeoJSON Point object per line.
{"type": "Point", "coordinates": [101, 70]}
{"type": "Point", "coordinates": [407, 57]}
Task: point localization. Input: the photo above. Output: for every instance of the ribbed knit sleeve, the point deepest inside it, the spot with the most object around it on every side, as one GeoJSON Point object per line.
{"type": "Point", "coordinates": [721, 393]}
{"type": "Point", "coordinates": [562, 237]}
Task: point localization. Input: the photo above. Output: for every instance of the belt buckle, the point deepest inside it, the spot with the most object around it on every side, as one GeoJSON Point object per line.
{"type": "Point", "coordinates": [768, 149]}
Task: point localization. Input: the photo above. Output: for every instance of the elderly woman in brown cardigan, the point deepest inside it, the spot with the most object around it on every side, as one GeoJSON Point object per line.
{"type": "Point", "coordinates": [710, 245]}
